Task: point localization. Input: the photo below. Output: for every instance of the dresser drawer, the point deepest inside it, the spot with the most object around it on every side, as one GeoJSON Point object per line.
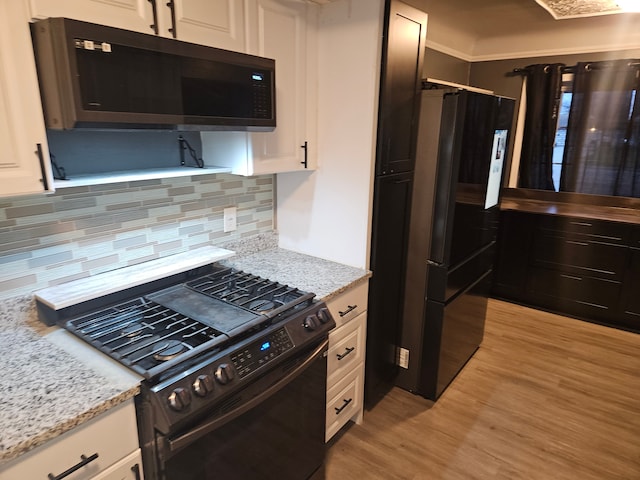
{"type": "Point", "coordinates": [112, 435]}
{"type": "Point", "coordinates": [346, 348]}
{"type": "Point", "coordinates": [349, 304]}
{"type": "Point", "coordinates": [344, 402]}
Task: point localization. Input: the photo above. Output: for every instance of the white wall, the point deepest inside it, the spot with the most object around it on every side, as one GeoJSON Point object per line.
{"type": "Point", "coordinates": [326, 213]}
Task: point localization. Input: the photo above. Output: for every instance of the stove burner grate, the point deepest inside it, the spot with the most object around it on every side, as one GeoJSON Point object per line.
{"type": "Point", "coordinates": [145, 335]}
{"type": "Point", "coordinates": [251, 292]}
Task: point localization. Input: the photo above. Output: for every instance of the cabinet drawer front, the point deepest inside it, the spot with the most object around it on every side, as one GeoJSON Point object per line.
{"type": "Point", "coordinates": [349, 304]}
{"type": "Point", "coordinates": [582, 256]}
{"type": "Point", "coordinates": [345, 401]}
{"type": "Point", "coordinates": [346, 349]}
{"type": "Point", "coordinates": [588, 291]}
{"type": "Point", "coordinates": [129, 468]}
{"type": "Point", "coordinates": [112, 435]}
{"type": "Point", "coordinates": [586, 228]}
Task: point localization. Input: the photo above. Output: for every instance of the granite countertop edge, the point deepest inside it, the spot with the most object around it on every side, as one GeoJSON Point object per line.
{"type": "Point", "coordinates": [271, 262]}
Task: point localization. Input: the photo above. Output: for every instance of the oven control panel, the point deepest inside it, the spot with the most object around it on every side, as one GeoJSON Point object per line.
{"type": "Point", "coordinates": [261, 352]}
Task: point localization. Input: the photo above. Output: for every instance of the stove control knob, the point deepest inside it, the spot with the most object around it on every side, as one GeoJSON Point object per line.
{"type": "Point", "coordinates": [224, 374]}
{"type": "Point", "coordinates": [179, 399]}
{"type": "Point", "coordinates": [203, 385]}
{"type": "Point", "coordinates": [311, 322]}
{"type": "Point", "coordinates": [324, 315]}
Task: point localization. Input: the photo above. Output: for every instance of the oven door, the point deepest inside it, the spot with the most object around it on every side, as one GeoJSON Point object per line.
{"type": "Point", "coordinates": [272, 429]}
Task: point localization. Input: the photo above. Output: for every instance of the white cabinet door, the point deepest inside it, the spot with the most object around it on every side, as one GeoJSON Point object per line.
{"type": "Point", "coordinates": [285, 31]}
{"type": "Point", "coordinates": [136, 15]}
{"type": "Point", "coordinates": [24, 163]}
{"type": "Point", "coordinates": [217, 23]}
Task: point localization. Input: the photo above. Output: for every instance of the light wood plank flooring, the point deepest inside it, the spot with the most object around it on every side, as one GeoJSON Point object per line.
{"type": "Point", "coordinates": [545, 397]}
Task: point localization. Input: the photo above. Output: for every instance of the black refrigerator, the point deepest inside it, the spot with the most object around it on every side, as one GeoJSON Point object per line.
{"type": "Point", "coordinates": [460, 154]}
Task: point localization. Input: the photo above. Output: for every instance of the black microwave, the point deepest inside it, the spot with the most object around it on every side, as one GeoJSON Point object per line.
{"type": "Point", "coordinates": [94, 76]}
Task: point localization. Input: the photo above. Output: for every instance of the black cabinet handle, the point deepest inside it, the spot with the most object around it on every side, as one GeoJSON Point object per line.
{"type": "Point", "coordinates": [582, 224]}
{"type": "Point", "coordinates": [38, 152]}
{"type": "Point", "coordinates": [350, 308]}
{"type": "Point", "coordinates": [571, 277]}
{"type": "Point", "coordinates": [173, 30]}
{"type": "Point", "coordinates": [84, 461]}
{"type": "Point", "coordinates": [347, 351]}
{"type": "Point", "coordinates": [573, 242]}
{"type": "Point", "coordinates": [344, 405]}
{"type": "Point", "coordinates": [136, 471]}
{"type": "Point", "coordinates": [305, 147]}
{"type": "Point", "coordinates": [154, 8]}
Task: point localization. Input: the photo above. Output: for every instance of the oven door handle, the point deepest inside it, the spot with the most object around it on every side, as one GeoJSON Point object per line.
{"type": "Point", "coordinates": [176, 444]}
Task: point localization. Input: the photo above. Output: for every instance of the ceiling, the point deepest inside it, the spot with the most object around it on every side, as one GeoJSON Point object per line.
{"type": "Point", "coordinates": [480, 29]}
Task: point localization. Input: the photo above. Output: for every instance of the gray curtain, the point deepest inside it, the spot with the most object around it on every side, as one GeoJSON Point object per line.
{"type": "Point", "coordinates": [602, 154]}
{"type": "Point", "coordinates": [544, 84]}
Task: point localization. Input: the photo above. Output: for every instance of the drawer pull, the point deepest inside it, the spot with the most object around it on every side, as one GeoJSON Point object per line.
{"type": "Point", "coordinates": [582, 224]}
{"type": "Point", "coordinates": [347, 351]}
{"type": "Point", "coordinates": [136, 471]}
{"type": "Point", "coordinates": [344, 405]}
{"type": "Point", "coordinates": [573, 242]}
{"type": "Point", "coordinates": [570, 277]}
{"type": "Point", "coordinates": [350, 308]}
{"type": "Point", "coordinates": [84, 461]}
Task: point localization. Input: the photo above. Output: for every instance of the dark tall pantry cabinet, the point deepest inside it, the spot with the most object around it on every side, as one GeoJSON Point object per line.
{"type": "Point", "coordinates": [399, 107]}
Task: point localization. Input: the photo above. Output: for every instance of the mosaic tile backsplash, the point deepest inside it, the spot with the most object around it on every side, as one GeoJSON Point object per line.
{"type": "Point", "coordinates": [81, 231]}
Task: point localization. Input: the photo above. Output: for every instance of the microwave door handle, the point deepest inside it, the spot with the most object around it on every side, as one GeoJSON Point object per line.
{"type": "Point", "coordinates": [176, 444]}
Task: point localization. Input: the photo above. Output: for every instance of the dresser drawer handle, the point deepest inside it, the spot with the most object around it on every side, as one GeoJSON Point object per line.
{"type": "Point", "coordinates": [84, 460]}
{"type": "Point", "coordinates": [350, 308]}
{"type": "Point", "coordinates": [347, 351]}
{"type": "Point", "coordinates": [344, 405]}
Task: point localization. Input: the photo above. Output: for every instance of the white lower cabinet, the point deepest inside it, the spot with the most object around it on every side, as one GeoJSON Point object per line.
{"type": "Point", "coordinates": [345, 362]}
{"type": "Point", "coordinates": [129, 468]}
{"type": "Point", "coordinates": [110, 440]}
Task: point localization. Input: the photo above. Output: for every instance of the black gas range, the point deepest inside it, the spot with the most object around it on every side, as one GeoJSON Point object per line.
{"type": "Point", "coordinates": [218, 349]}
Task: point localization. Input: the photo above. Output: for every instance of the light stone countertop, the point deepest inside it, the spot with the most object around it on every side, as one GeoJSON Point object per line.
{"type": "Point", "coordinates": [47, 391]}
{"type": "Point", "coordinates": [324, 278]}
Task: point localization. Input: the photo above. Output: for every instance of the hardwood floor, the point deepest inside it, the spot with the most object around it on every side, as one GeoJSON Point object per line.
{"type": "Point", "coordinates": [545, 397]}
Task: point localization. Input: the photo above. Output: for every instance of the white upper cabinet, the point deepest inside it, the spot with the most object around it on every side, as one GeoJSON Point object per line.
{"type": "Point", "coordinates": [136, 15]}
{"type": "Point", "coordinates": [23, 169]}
{"type": "Point", "coordinates": [285, 31]}
{"type": "Point", "coordinates": [217, 23]}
